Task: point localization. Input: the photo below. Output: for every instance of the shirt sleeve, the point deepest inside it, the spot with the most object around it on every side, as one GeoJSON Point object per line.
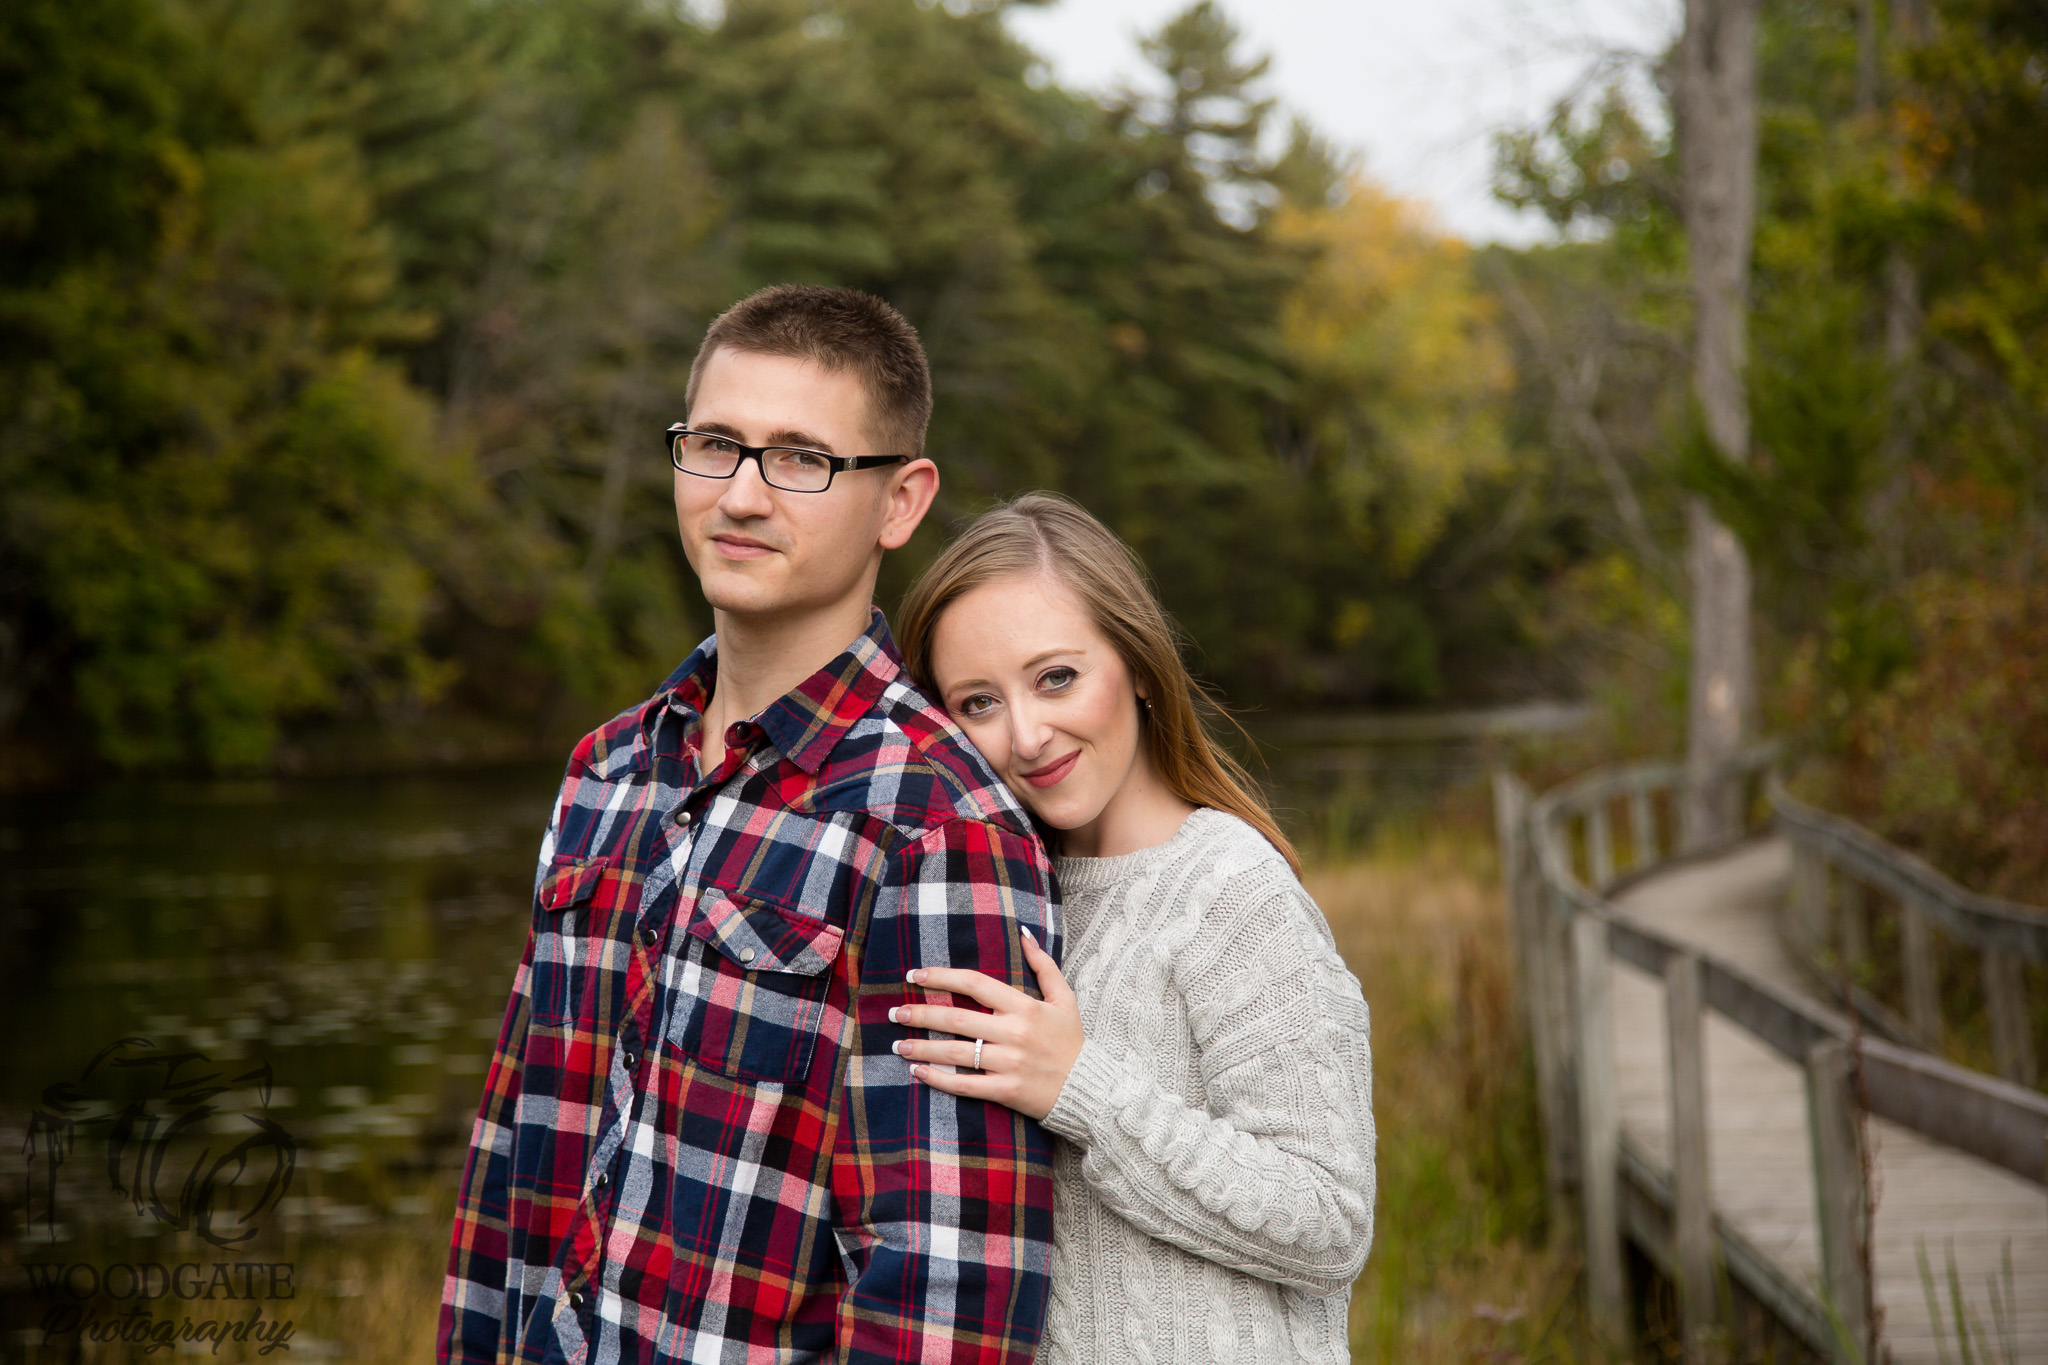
{"type": "Point", "coordinates": [1274, 1175]}
{"type": "Point", "coordinates": [943, 1205]}
{"type": "Point", "coordinates": [473, 1296]}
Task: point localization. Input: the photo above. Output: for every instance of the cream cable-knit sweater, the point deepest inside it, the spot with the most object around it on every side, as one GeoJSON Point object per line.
{"type": "Point", "coordinates": [1214, 1191]}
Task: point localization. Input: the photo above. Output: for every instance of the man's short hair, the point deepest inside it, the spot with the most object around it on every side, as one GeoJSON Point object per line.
{"type": "Point", "coordinates": [836, 329]}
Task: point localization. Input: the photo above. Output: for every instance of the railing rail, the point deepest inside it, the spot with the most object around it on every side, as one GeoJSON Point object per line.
{"type": "Point", "coordinates": [1841, 872]}
{"type": "Point", "coordinates": [1562, 858]}
{"type": "Point", "coordinates": [1984, 921]}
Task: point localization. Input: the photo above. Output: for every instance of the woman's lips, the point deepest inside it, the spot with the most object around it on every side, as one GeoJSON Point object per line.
{"type": "Point", "coordinates": [1053, 772]}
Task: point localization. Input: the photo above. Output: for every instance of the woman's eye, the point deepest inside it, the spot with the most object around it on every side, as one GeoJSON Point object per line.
{"type": "Point", "coordinates": [977, 705]}
{"type": "Point", "coordinates": [1057, 679]}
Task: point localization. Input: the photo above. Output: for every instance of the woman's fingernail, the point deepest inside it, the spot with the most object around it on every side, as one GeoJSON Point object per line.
{"type": "Point", "coordinates": [892, 1013]}
{"type": "Point", "coordinates": [917, 1072]}
{"type": "Point", "coordinates": [1028, 934]}
{"type": "Point", "coordinates": [897, 1047]}
{"type": "Point", "coordinates": [915, 976]}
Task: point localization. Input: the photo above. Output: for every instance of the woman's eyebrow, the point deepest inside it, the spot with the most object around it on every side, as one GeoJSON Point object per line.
{"type": "Point", "coordinates": [1032, 662]}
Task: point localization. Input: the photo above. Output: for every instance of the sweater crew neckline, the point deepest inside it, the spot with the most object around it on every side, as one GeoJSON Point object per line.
{"type": "Point", "coordinates": [1094, 874]}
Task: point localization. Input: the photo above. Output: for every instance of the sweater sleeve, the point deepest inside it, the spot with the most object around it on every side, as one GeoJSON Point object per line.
{"type": "Point", "coordinates": [1274, 1176]}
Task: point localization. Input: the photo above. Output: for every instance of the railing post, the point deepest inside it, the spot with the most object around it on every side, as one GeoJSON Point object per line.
{"type": "Point", "coordinates": [1554, 931]}
{"type": "Point", "coordinates": [1840, 1195]}
{"type": "Point", "coordinates": [1692, 1215]}
{"type": "Point", "coordinates": [2012, 1030]}
{"type": "Point", "coordinates": [1510, 823]}
{"type": "Point", "coordinates": [1599, 1124]}
{"type": "Point", "coordinates": [1527, 903]}
{"type": "Point", "coordinates": [1642, 825]}
{"type": "Point", "coordinates": [1855, 925]}
{"type": "Point", "coordinates": [1923, 974]}
{"type": "Point", "coordinates": [1600, 846]}
{"type": "Point", "coordinates": [1809, 895]}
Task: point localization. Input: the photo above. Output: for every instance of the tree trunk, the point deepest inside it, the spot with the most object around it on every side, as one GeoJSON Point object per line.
{"type": "Point", "coordinates": [1901, 277]}
{"type": "Point", "coordinates": [1721, 694]}
{"type": "Point", "coordinates": [1901, 295]}
{"type": "Point", "coordinates": [1717, 147]}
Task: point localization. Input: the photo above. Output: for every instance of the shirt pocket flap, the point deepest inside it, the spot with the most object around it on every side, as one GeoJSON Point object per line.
{"type": "Point", "coordinates": [572, 881]}
{"type": "Point", "coordinates": [761, 936]}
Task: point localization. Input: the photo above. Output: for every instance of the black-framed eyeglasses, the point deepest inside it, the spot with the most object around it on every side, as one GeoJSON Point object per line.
{"type": "Point", "coordinates": [793, 469]}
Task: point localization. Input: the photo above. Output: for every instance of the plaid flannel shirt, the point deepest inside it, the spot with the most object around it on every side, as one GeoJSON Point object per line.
{"type": "Point", "coordinates": [695, 1143]}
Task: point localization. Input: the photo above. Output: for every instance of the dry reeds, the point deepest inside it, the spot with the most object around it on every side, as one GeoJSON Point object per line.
{"type": "Point", "coordinates": [1461, 1269]}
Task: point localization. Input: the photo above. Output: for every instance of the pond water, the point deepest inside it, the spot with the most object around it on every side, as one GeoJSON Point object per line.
{"type": "Point", "coordinates": [208, 985]}
{"type": "Point", "coordinates": [245, 1018]}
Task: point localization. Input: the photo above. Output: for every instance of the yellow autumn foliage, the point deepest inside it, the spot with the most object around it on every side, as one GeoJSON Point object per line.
{"type": "Point", "coordinates": [1405, 377]}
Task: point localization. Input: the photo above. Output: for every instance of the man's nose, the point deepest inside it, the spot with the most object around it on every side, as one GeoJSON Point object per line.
{"type": "Point", "coordinates": [746, 493]}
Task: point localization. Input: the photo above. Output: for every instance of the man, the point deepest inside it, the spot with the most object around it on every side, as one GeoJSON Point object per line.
{"type": "Point", "coordinates": [696, 1143]}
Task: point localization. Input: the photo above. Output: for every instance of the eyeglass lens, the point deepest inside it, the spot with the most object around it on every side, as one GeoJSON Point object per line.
{"type": "Point", "coordinates": [714, 457]}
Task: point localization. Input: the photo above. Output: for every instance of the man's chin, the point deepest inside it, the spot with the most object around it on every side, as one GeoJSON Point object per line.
{"type": "Point", "coordinates": [752, 597]}
{"type": "Point", "coordinates": [746, 599]}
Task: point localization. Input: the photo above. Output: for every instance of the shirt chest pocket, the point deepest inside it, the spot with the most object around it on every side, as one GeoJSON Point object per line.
{"type": "Point", "coordinates": [580, 900]}
{"type": "Point", "coordinates": [763, 988]}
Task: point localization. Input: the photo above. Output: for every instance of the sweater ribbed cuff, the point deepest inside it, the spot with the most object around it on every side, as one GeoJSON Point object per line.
{"type": "Point", "coordinates": [1086, 1097]}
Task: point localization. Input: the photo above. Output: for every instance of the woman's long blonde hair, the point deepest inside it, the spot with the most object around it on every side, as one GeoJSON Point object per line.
{"type": "Point", "coordinates": [1046, 533]}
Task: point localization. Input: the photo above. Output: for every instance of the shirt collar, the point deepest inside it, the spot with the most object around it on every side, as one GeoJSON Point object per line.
{"type": "Point", "coordinates": [805, 723]}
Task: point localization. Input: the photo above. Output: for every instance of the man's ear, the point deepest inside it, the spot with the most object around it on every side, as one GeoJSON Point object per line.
{"type": "Point", "coordinates": [910, 495]}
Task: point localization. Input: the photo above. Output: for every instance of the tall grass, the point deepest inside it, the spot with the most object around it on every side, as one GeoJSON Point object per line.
{"type": "Point", "coordinates": [1462, 1267]}
{"type": "Point", "coordinates": [1975, 1343]}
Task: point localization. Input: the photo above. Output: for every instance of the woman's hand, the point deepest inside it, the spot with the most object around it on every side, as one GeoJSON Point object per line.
{"type": "Point", "coordinates": [1028, 1045]}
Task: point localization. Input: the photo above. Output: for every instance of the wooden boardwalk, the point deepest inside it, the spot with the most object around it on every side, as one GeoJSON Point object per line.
{"type": "Point", "coordinates": [1760, 1162]}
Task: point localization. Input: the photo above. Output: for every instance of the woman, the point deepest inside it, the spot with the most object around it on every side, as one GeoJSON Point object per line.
{"type": "Point", "coordinates": [1212, 1082]}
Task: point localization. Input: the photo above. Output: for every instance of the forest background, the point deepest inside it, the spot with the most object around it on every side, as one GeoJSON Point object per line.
{"type": "Point", "coordinates": [336, 337]}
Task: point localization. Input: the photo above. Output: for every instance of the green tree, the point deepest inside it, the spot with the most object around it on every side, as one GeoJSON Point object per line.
{"type": "Point", "coordinates": [225, 509]}
{"type": "Point", "coordinates": [335, 336]}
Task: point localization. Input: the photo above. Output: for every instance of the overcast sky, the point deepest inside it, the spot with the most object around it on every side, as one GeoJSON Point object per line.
{"type": "Point", "coordinates": [1417, 86]}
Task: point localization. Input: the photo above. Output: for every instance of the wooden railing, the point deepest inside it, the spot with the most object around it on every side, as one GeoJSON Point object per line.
{"type": "Point", "coordinates": [1561, 858]}
{"type": "Point", "coordinates": [1845, 881]}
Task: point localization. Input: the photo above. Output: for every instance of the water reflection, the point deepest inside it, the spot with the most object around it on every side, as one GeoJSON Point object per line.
{"type": "Point", "coordinates": [357, 937]}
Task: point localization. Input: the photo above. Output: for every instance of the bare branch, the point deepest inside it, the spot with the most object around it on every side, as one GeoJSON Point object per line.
{"type": "Point", "coordinates": [1575, 388]}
